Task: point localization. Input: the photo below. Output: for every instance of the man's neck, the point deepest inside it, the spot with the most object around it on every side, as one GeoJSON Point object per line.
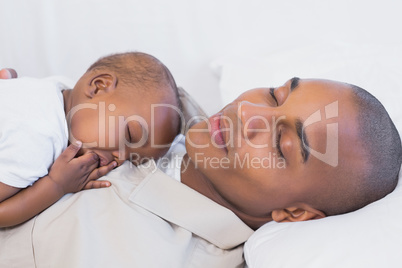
{"type": "Point", "coordinates": [194, 179]}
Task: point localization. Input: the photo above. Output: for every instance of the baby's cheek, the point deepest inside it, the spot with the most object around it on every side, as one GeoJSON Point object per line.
{"type": "Point", "coordinates": [87, 134]}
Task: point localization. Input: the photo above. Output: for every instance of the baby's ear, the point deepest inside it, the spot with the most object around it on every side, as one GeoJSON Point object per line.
{"type": "Point", "coordinates": [101, 83]}
{"type": "Point", "coordinates": [293, 214]}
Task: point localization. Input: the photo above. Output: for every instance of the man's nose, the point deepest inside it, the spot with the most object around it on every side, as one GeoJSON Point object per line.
{"type": "Point", "coordinates": [255, 118]}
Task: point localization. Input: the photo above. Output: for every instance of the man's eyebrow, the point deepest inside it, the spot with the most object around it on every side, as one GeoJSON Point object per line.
{"type": "Point", "coordinates": [304, 144]}
{"type": "Point", "coordinates": [294, 82]}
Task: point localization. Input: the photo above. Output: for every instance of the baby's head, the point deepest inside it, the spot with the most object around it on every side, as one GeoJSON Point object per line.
{"type": "Point", "coordinates": [125, 107]}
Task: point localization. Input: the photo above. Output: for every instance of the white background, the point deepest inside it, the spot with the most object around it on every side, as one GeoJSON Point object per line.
{"type": "Point", "coordinates": [53, 37]}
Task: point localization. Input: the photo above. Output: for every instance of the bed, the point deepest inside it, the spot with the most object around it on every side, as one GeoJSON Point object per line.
{"type": "Point", "coordinates": [219, 49]}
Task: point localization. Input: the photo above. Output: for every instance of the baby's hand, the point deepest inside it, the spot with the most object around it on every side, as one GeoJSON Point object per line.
{"type": "Point", "coordinates": [74, 174]}
{"type": "Point", "coordinates": [8, 73]}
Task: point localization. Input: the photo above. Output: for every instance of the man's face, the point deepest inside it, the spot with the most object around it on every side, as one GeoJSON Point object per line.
{"type": "Point", "coordinates": [271, 146]}
{"type": "Point", "coordinates": [120, 126]}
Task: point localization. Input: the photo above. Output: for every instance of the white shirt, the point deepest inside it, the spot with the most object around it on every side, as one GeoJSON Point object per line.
{"type": "Point", "coordinates": [170, 163]}
{"type": "Point", "coordinates": [33, 129]}
{"type": "Point", "coordinates": [145, 219]}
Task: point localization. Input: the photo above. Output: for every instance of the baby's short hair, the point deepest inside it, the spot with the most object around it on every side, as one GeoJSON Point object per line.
{"type": "Point", "coordinates": [145, 73]}
{"type": "Point", "coordinates": [138, 68]}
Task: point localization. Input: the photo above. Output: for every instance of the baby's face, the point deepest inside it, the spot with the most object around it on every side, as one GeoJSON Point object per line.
{"type": "Point", "coordinates": [135, 128]}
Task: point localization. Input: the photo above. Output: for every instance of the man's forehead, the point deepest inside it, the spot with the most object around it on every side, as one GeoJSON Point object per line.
{"type": "Point", "coordinates": [332, 129]}
{"type": "Point", "coordinates": [321, 84]}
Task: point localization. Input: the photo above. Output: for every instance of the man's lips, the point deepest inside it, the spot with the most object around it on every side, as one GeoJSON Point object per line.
{"type": "Point", "coordinates": [216, 132]}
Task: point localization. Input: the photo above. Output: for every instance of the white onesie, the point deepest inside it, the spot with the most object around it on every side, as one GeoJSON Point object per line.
{"type": "Point", "coordinates": [33, 128]}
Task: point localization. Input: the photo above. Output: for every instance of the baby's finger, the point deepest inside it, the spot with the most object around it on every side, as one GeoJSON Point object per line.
{"type": "Point", "coordinates": [12, 72]}
{"type": "Point", "coordinates": [97, 184]}
{"type": "Point", "coordinates": [90, 160]}
{"type": "Point", "coordinates": [8, 73]}
{"type": "Point", "coordinates": [102, 171]}
{"type": "Point", "coordinates": [71, 151]}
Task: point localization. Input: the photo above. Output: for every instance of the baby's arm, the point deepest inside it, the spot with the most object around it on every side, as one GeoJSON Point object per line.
{"type": "Point", "coordinates": [67, 175]}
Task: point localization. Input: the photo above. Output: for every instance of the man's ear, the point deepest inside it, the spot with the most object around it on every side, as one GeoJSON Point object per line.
{"type": "Point", "coordinates": [297, 213]}
{"type": "Point", "coordinates": [100, 84]}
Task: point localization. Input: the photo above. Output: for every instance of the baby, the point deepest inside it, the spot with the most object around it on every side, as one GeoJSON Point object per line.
{"type": "Point", "coordinates": [125, 107]}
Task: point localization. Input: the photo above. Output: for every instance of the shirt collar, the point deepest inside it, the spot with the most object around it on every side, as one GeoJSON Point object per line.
{"type": "Point", "coordinates": [183, 206]}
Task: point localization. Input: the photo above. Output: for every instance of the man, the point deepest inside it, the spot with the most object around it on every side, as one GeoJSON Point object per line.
{"type": "Point", "coordinates": [294, 123]}
{"type": "Point", "coordinates": [301, 151]}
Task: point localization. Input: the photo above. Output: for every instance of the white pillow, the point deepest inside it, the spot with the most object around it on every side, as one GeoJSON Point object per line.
{"type": "Point", "coordinates": [376, 68]}
{"type": "Point", "coordinates": [369, 237]}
